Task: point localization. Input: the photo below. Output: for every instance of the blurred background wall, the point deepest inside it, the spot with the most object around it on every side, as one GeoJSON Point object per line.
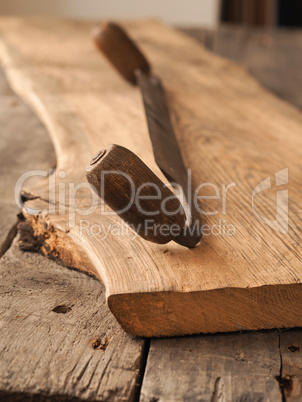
{"type": "Point", "coordinates": [262, 12]}
{"type": "Point", "coordinates": [199, 13]}
{"type": "Point", "coordinates": [185, 12]}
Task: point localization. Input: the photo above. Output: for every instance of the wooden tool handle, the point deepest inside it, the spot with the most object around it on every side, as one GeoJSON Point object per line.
{"type": "Point", "coordinates": [120, 50]}
{"type": "Point", "coordinates": [136, 194]}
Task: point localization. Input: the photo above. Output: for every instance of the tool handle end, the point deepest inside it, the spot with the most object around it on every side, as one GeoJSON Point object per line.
{"type": "Point", "coordinates": [120, 50]}
{"type": "Point", "coordinates": [136, 194]}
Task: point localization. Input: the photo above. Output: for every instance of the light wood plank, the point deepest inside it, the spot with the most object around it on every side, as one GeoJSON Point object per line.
{"type": "Point", "coordinates": [230, 130]}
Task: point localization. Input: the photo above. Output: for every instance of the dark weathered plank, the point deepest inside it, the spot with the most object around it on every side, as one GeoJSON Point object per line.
{"type": "Point", "coordinates": [24, 145]}
{"type": "Point", "coordinates": [58, 337]}
{"type": "Point", "coordinates": [273, 56]}
{"type": "Point", "coordinates": [231, 367]}
{"type": "Point", "coordinates": [203, 35]}
{"type": "Point", "coordinates": [291, 369]}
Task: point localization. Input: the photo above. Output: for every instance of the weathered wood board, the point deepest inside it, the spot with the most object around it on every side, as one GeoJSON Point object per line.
{"type": "Point", "coordinates": [59, 340]}
{"type": "Point", "coordinates": [221, 367]}
{"type": "Point", "coordinates": [231, 131]}
{"type": "Point", "coordinates": [267, 53]}
{"type": "Point", "coordinates": [291, 365]}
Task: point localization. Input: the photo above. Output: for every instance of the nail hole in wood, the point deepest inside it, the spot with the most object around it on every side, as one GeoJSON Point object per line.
{"type": "Point", "coordinates": [61, 309]}
{"type": "Point", "coordinates": [100, 343]}
{"type": "Point", "coordinates": [293, 348]}
{"type": "Point", "coordinates": [286, 382]}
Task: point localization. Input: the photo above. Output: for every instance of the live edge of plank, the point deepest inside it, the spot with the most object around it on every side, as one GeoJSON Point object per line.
{"type": "Point", "coordinates": [219, 310]}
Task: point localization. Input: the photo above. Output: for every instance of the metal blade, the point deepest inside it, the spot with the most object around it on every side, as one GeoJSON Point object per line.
{"type": "Point", "coordinates": [166, 150]}
{"type": "Point", "coordinates": [165, 146]}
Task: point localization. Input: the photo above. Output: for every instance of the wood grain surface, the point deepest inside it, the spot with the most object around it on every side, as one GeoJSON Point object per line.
{"type": "Point", "coordinates": [59, 340]}
{"type": "Point", "coordinates": [223, 367]}
{"type": "Point", "coordinates": [242, 353]}
{"type": "Point", "coordinates": [291, 367]}
{"type": "Point", "coordinates": [230, 130]}
{"type": "Point", "coordinates": [273, 56]}
{"type": "Point", "coordinates": [269, 54]}
{"type": "Point", "coordinates": [241, 366]}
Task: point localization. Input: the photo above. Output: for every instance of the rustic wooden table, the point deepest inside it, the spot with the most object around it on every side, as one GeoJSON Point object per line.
{"type": "Point", "coordinates": [60, 342]}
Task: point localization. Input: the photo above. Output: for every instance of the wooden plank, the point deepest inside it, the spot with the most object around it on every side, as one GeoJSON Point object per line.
{"type": "Point", "coordinates": [291, 369]}
{"type": "Point", "coordinates": [230, 130]}
{"type": "Point", "coordinates": [203, 35]}
{"type": "Point", "coordinates": [224, 367]}
{"type": "Point", "coordinates": [268, 54]}
{"type": "Point", "coordinates": [59, 340]}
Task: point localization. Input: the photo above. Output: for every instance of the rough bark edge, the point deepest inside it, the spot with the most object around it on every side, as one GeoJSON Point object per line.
{"type": "Point", "coordinates": [37, 234]}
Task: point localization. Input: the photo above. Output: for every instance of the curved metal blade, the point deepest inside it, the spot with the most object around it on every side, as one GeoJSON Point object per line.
{"type": "Point", "coordinates": [166, 150]}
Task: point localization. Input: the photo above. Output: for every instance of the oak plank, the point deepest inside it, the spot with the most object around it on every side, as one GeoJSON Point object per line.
{"type": "Point", "coordinates": [59, 340]}
{"type": "Point", "coordinates": [222, 367]}
{"type": "Point", "coordinates": [230, 130]}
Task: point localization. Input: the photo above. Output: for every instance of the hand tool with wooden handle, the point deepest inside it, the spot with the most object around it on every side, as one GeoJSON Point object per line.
{"type": "Point", "coordinates": [129, 61]}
